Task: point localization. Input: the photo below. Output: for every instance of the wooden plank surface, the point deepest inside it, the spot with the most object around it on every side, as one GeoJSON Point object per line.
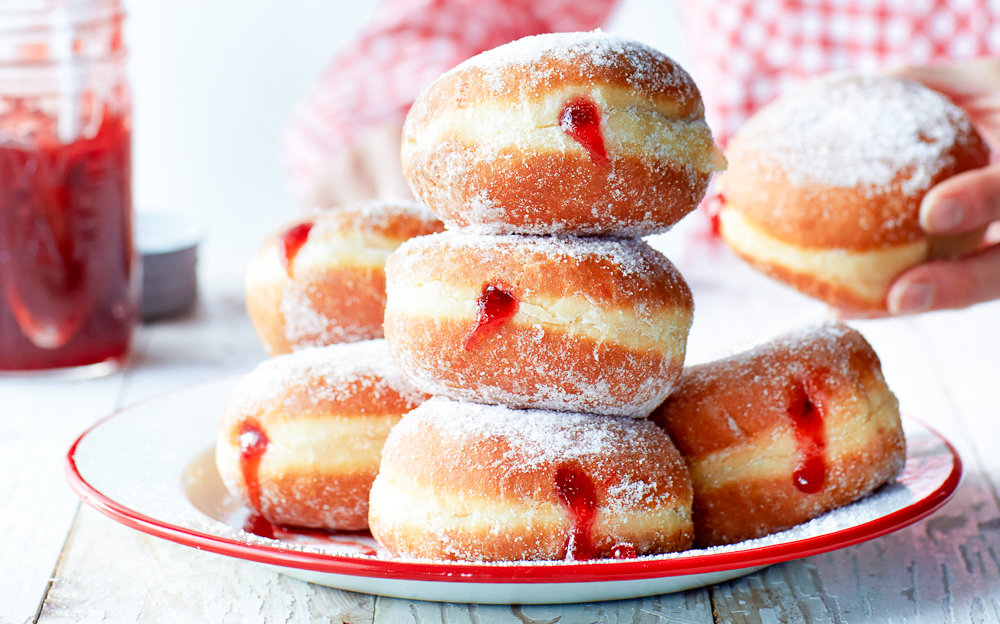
{"type": "Point", "coordinates": [39, 419]}
{"type": "Point", "coordinates": [114, 574]}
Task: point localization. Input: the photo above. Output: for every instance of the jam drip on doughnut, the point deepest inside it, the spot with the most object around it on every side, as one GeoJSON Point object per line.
{"type": "Point", "coordinates": [581, 120]}
{"type": "Point", "coordinates": [259, 525]}
{"type": "Point", "coordinates": [623, 551]}
{"type": "Point", "coordinates": [253, 445]}
{"type": "Point", "coordinates": [807, 421]}
{"type": "Point", "coordinates": [579, 496]}
{"type": "Point", "coordinates": [494, 307]}
{"type": "Point", "coordinates": [292, 241]}
{"type": "Point", "coordinates": [713, 207]}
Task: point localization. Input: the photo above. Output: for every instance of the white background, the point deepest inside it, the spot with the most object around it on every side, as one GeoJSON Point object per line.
{"type": "Point", "coordinates": [212, 82]}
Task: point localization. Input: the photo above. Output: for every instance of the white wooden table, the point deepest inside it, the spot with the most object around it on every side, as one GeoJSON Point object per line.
{"type": "Point", "coordinates": [61, 561]}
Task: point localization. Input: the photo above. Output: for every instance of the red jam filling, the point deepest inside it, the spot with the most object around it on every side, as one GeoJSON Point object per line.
{"type": "Point", "coordinates": [579, 496]}
{"type": "Point", "coordinates": [807, 416]}
{"type": "Point", "coordinates": [66, 254]}
{"type": "Point", "coordinates": [292, 241]}
{"type": "Point", "coordinates": [253, 444]}
{"type": "Point", "coordinates": [259, 525]}
{"type": "Point", "coordinates": [713, 206]}
{"type": "Point", "coordinates": [581, 120]}
{"type": "Point", "coordinates": [494, 307]}
{"type": "Point", "coordinates": [624, 551]}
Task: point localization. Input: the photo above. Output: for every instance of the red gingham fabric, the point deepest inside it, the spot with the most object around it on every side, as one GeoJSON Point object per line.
{"type": "Point", "coordinates": [743, 52]}
{"type": "Point", "coordinates": [746, 52]}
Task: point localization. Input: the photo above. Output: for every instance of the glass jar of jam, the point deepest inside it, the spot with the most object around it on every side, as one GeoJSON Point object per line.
{"type": "Point", "coordinates": [69, 274]}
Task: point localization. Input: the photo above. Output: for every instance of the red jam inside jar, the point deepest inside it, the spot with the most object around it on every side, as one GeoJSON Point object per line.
{"type": "Point", "coordinates": [68, 294]}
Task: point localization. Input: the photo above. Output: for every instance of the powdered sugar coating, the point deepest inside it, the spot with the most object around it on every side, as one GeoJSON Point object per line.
{"type": "Point", "coordinates": [845, 130]}
{"type": "Point", "coordinates": [601, 323]}
{"type": "Point", "coordinates": [535, 439]}
{"type": "Point", "coordinates": [595, 48]}
{"type": "Point", "coordinates": [306, 327]}
{"type": "Point", "coordinates": [373, 216]}
{"type": "Point", "coordinates": [631, 257]}
{"type": "Point", "coordinates": [339, 369]}
{"type": "Point", "coordinates": [497, 488]}
{"type": "Point", "coordinates": [487, 144]}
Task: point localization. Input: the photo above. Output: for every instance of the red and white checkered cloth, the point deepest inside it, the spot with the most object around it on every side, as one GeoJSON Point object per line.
{"type": "Point", "coordinates": [744, 53]}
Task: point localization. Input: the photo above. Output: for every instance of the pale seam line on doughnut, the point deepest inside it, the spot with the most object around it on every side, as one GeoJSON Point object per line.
{"type": "Point", "coordinates": [322, 256]}
{"type": "Point", "coordinates": [426, 508]}
{"type": "Point", "coordinates": [569, 315]}
{"type": "Point", "coordinates": [868, 274]}
{"type": "Point", "coordinates": [494, 126]}
{"type": "Point", "coordinates": [745, 462]}
{"type": "Point", "coordinates": [327, 444]}
{"type": "Point", "coordinates": [266, 265]}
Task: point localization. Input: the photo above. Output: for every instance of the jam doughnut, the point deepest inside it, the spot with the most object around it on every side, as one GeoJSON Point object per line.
{"type": "Point", "coordinates": [301, 435]}
{"type": "Point", "coordinates": [824, 185]}
{"type": "Point", "coordinates": [320, 280]}
{"type": "Point", "coordinates": [594, 325]}
{"type": "Point", "coordinates": [512, 485]}
{"type": "Point", "coordinates": [783, 433]}
{"type": "Point", "coordinates": [568, 133]}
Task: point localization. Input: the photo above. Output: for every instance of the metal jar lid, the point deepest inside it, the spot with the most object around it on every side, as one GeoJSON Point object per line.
{"type": "Point", "coordinates": [169, 248]}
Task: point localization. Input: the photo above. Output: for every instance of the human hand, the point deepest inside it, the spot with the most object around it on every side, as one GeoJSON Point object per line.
{"type": "Point", "coordinates": [963, 203]}
{"type": "Point", "coordinates": [369, 170]}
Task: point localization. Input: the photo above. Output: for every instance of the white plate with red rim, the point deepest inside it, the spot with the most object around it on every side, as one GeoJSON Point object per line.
{"type": "Point", "coordinates": [151, 466]}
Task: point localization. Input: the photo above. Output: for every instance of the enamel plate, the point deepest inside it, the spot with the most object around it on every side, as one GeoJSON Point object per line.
{"type": "Point", "coordinates": [151, 466]}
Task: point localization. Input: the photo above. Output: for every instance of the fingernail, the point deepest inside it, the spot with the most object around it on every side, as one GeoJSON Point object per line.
{"type": "Point", "coordinates": [945, 215]}
{"type": "Point", "coordinates": [916, 297]}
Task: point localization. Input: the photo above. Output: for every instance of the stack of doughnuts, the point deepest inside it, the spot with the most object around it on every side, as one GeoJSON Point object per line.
{"type": "Point", "coordinates": [536, 395]}
{"type": "Point", "coordinates": [546, 158]}
{"type": "Point", "coordinates": [824, 185]}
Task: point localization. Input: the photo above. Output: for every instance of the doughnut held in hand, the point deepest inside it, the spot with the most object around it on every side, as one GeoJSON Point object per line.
{"type": "Point", "coordinates": [513, 485]}
{"type": "Point", "coordinates": [572, 133]}
{"type": "Point", "coordinates": [784, 433]}
{"type": "Point", "coordinates": [321, 279]}
{"type": "Point", "coordinates": [301, 435]}
{"type": "Point", "coordinates": [577, 324]}
{"type": "Point", "coordinates": [824, 185]}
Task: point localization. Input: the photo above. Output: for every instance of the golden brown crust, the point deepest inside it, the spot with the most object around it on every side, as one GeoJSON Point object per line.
{"type": "Point", "coordinates": [733, 422]}
{"type": "Point", "coordinates": [324, 414]}
{"type": "Point", "coordinates": [549, 193]}
{"type": "Point", "coordinates": [819, 216]}
{"type": "Point", "coordinates": [606, 272]}
{"type": "Point", "coordinates": [844, 161]}
{"type": "Point", "coordinates": [601, 325]}
{"type": "Point", "coordinates": [491, 490]}
{"type": "Point", "coordinates": [334, 289]}
{"type": "Point", "coordinates": [569, 61]}
{"type": "Point", "coordinates": [484, 146]}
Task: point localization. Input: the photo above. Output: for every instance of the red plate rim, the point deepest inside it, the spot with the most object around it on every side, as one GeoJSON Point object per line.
{"type": "Point", "coordinates": [556, 572]}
